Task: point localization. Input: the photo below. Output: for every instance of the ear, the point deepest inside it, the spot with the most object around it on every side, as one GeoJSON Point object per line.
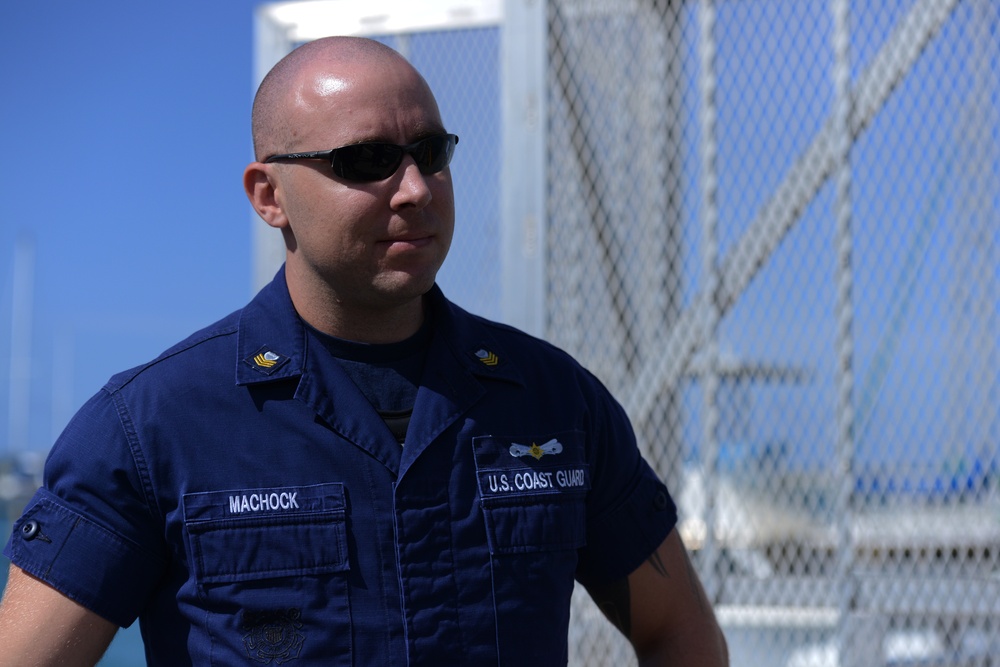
{"type": "Point", "coordinates": [261, 185]}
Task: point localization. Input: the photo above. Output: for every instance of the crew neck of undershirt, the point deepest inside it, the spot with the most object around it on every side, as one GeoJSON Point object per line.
{"type": "Point", "coordinates": [374, 353]}
{"type": "Point", "coordinates": [387, 374]}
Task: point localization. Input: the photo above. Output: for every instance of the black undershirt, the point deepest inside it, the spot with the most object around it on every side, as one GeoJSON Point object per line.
{"type": "Point", "coordinates": [387, 374]}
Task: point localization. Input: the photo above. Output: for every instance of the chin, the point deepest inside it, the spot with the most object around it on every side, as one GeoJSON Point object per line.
{"type": "Point", "coordinates": [402, 287]}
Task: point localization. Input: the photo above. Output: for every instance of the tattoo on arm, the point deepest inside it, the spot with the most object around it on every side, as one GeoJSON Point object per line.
{"type": "Point", "coordinates": [614, 601]}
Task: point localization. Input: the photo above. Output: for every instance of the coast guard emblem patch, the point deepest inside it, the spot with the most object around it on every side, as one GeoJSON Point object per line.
{"type": "Point", "coordinates": [273, 636]}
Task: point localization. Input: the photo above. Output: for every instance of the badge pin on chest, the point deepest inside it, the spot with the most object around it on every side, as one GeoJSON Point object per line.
{"type": "Point", "coordinates": [536, 451]}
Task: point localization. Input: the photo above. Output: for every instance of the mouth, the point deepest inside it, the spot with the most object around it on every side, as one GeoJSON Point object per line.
{"type": "Point", "coordinates": [403, 244]}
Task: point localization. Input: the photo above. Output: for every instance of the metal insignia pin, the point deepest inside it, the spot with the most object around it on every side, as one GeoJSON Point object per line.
{"type": "Point", "coordinates": [536, 451]}
{"type": "Point", "coordinates": [487, 357]}
{"type": "Point", "coordinates": [266, 359]}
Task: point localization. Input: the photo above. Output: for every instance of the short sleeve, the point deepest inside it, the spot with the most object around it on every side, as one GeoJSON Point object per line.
{"type": "Point", "coordinates": [630, 510]}
{"type": "Point", "coordinates": [89, 531]}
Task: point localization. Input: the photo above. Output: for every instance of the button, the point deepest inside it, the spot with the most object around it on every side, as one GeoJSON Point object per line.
{"type": "Point", "coordinates": [660, 501]}
{"type": "Point", "coordinates": [30, 530]}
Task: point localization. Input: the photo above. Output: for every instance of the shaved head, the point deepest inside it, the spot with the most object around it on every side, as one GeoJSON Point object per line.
{"type": "Point", "coordinates": [359, 253]}
{"type": "Point", "coordinates": [273, 131]}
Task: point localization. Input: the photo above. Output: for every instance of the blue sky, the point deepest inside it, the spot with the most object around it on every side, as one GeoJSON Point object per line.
{"type": "Point", "coordinates": [124, 131]}
{"type": "Point", "coordinates": [124, 128]}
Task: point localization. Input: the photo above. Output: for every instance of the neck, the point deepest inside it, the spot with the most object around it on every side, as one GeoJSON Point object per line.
{"type": "Point", "coordinates": [360, 323]}
{"type": "Point", "coordinates": [367, 325]}
{"type": "Point", "coordinates": [360, 311]}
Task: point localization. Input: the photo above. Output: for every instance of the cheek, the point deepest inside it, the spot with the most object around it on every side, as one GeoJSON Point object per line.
{"type": "Point", "coordinates": [444, 201]}
{"type": "Point", "coordinates": [329, 245]}
{"type": "Point", "coordinates": [335, 224]}
{"type": "Point", "coordinates": [447, 232]}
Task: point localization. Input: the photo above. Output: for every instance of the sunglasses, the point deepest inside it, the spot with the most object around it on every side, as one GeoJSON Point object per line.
{"type": "Point", "coordinates": [377, 161]}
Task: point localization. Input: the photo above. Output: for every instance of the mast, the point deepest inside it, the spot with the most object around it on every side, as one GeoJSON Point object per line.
{"type": "Point", "coordinates": [19, 393]}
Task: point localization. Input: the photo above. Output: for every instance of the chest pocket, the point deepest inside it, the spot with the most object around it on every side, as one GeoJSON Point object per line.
{"type": "Point", "coordinates": [270, 568]}
{"type": "Point", "coordinates": [248, 535]}
{"type": "Point", "coordinates": [532, 492]}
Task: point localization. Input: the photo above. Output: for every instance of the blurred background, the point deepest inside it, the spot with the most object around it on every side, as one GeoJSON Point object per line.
{"type": "Point", "coordinates": [769, 226]}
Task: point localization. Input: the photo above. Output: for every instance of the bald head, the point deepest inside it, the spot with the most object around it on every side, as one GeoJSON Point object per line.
{"type": "Point", "coordinates": [281, 89]}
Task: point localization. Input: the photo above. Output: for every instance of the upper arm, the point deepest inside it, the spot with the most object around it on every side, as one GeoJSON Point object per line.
{"type": "Point", "coordinates": [663, 610]}
{"type": "Point", "coordinates": [41, 626]}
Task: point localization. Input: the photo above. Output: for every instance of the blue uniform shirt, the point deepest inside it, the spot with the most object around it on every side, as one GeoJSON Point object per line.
{"type": "Point", "coordinates": [243, 499]}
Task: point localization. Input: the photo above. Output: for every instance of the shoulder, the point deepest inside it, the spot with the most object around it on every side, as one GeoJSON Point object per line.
{"type": "Point", "coordinates": [530, 353]}
{"type": "Point", "coordinates": [216, 351]}
{"type": "Point", "coordinates": [502, 351]}
{"type": "Point", "coordinates": [210, 347]}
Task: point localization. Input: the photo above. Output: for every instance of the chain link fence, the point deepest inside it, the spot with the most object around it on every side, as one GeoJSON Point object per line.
{"type": "Point", "coordinates": [773, 231]}
{"type": "Point", "coordinates": [771, 227]}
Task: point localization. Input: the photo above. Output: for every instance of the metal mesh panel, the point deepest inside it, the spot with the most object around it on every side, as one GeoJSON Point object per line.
{"type": "Point", "coordinates": [476, 167]}
{"type": "Point", "coordinates": [773, 232]}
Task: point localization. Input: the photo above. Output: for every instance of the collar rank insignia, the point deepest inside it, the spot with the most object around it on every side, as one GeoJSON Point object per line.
{"type": "Point", "coordinates": [488, 358]}
{"type": "Point", "coordinates": [537, 451]}
{"type": "Point", "coordinates": [266, 361]}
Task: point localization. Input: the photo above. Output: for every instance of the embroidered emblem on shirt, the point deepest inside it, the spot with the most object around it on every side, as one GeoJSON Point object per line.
{"type": "Point", "coordinates": [273, 636]}
{"type": "Point", "coordinates": [488, 358]}
{"type": "Point", "coordinates": [266, 360]}
{"type": "Point", "coordinates": [553, 446]}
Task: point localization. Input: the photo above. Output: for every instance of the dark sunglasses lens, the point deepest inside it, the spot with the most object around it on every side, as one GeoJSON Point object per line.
{"type": "Point", "coordinates": [433, 153]}
{"type": "Point", "coordinates": [376, 162]}
{"type": "Point", "coordinates": [367, 162]}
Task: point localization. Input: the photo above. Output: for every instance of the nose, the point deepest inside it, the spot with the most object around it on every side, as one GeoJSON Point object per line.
{"type": "Point", "coordinates": [413, 190]}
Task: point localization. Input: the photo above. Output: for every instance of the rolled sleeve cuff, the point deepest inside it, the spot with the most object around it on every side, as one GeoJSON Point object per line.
{"type": "Point", "coordinates": [619, 542]}
{"type": "Point", "coordinates": [92, 565]}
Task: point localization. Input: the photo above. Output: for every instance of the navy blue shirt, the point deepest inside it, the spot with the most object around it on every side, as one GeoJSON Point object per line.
{"type": "Point", "coordinates": [243, 499]}
{"type": "Point", "coordinates": [387, 374]}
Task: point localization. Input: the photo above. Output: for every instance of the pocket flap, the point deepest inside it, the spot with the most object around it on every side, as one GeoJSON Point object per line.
{"type": "Point", "coordinates": [533, 491]}
{"type": "Point", "coordinates": [251, 534]}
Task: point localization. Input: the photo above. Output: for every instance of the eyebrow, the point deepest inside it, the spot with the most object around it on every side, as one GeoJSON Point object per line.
{"type": "Point", "coordinates": [423, 130]}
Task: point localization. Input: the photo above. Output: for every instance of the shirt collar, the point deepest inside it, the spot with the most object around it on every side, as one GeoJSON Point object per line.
{"type": "Point", "coordinates": [272, 338]}
{"type": "Point", "coordinates": [271, 343]}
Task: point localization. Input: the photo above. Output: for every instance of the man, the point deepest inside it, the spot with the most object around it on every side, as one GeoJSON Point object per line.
{"type": "Point", "coordinates": [385, 479]}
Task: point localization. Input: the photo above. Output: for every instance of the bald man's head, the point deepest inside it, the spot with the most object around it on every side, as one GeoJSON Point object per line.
{"type": "Point", "coordinates": [272, 131]}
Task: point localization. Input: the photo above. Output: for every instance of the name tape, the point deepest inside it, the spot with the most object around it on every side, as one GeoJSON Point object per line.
{"type": "Point", "coordinates": [263, 502]}
{"type": "Point", "coordinates": [316, 499]}
{"type": "Point", "coordinates": [508, 482]}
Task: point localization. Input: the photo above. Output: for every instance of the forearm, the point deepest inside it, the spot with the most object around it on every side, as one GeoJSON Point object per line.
{"type": "Point", "coordinates": [663, 610]}
{"type": "Point", "coordinates": [39, 627]}
{"type": "Point", "coordinates": [703, 647]}
{"type": "Point", "coordinates": [693, 640]}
